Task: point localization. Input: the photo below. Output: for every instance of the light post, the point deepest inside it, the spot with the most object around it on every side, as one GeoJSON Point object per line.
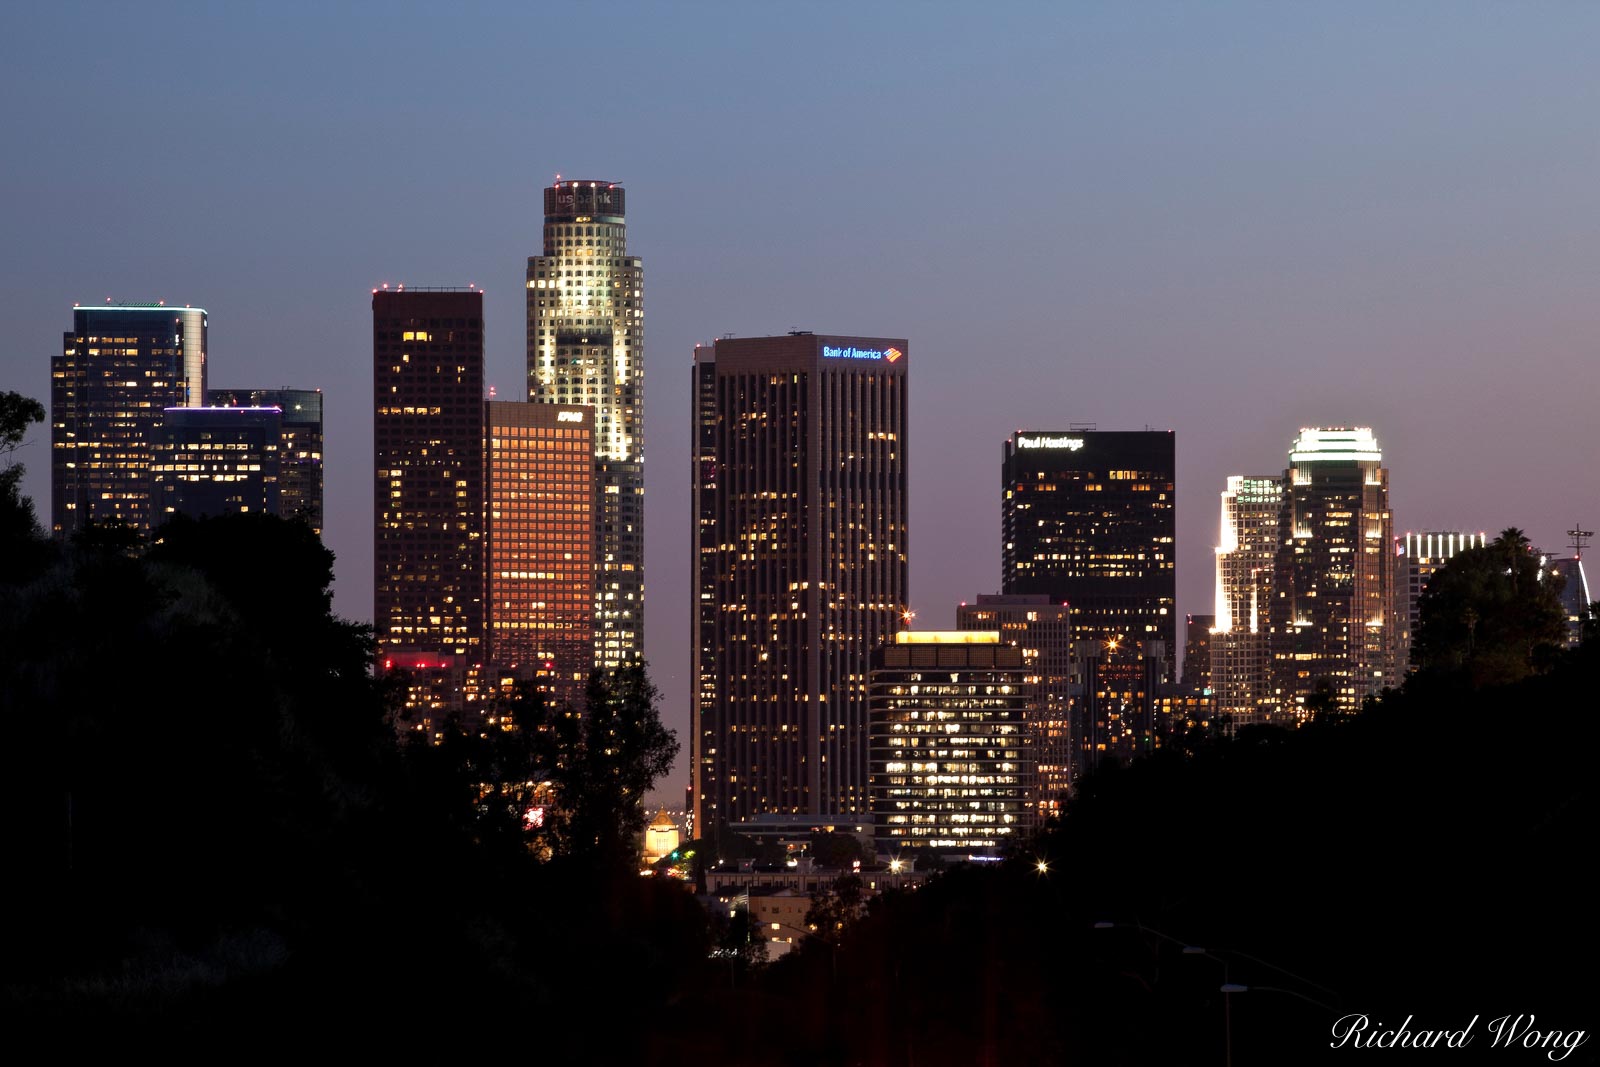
{"type": "Point", "coordinates": [1229, 987]}
{"type": "Point", "coordinates": [1227, 1002]}
{"type": "Point", "coordinates": [1232, 988]}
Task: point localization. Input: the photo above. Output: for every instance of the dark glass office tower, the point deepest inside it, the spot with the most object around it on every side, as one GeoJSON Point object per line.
{"type": "Point", "coordinates": [120, 367]}
{"type": "Point", "coordinates": [300, 481]}
{"type": "Point", "coordinates": [800, 531]}
{"type": "Point", "coordinates": [1087, 519]}
{"type": "Point", "coordinates": [216, 461]}
{"type": "Point", "coordinates": [586, 346]}
{"type": "Point", "coordinates": [428, 437]}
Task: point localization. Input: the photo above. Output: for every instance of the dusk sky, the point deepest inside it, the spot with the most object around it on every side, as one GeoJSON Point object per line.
{"type": "Point", "coordinates": [1225, 220]}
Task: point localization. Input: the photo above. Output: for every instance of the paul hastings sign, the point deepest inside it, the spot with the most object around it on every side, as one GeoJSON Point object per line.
{"type": "Point", "coordinates": [1066, 444]}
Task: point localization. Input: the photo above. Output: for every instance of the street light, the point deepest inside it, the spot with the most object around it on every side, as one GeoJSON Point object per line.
{"type": "Point", "coordinates": [1227, 1001]}
{"type": "Point", "coordinates": [1232, 988]}
{"type": "Point", "coordinates": [1192, 950]}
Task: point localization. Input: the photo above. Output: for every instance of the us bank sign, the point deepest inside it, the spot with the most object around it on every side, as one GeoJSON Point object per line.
{"type": "Point", "coordinates": [1070, 444]}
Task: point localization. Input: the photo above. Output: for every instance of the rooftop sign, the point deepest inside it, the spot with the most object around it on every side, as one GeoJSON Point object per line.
{"type": "Point", "coordinates": [849, 352]}
{"type": "Point", "coordinates": [1070, 444]}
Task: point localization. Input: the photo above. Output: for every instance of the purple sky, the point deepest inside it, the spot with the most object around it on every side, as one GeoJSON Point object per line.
{"type": "Point", "coordinates": [1225, 220]}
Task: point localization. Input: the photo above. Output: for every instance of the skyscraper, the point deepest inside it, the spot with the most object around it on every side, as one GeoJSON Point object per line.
{"type": "Point", "coordinates": [1332, 616]}
{"type": "Point", "coordinates": [539, 544]}
{"type": "Point", "coordinates": [586, 346]}
{"type": "Point", "coordinates": [428, 443]}
{"type": "Point", "coordinates": [800, 538]}
{"type": "Point", "coordinates": [951, 766]}
{"type": "Point", "coordinates": [300, 479]}
{"type": "Point", "coordinates": [120, 367]}
{"type": "Point", "coordinates": [1043, 631]}
{"type": "Point", "coordinates": [215, 461]}
{"type": "Point", "coordinates": [1247, 552]}
{"type": "Point", "coordinates": [1087, 520]}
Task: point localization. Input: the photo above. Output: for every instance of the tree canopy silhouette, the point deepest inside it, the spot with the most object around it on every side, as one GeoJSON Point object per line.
{"type": "Point", "coordinates": [1490, 616]}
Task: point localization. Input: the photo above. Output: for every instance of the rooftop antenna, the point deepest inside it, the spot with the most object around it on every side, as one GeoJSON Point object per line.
{"type": "Point", "coordinates": [1580, 538]}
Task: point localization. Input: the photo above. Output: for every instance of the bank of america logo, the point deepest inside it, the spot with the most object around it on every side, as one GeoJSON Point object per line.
{"type": "Point", "coordinates": [893, 354]}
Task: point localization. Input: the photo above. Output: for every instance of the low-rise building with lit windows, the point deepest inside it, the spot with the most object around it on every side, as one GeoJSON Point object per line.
{"type": "Point", "coordinates": [950, 768]}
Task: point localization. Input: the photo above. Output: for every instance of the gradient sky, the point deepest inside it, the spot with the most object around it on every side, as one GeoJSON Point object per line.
{"type": "Point", "coordinates": [1227, 220]}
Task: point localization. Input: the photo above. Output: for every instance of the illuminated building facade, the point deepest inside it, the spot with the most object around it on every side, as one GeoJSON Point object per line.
{"type": "Point", "coordinates": [1117, 710]}
{"type": "Point", "coordinates": [539, 543]}
{"type": "Point", "coordinates": [217, 461]}
{"type": "Point", "coordinates": [300, 477]}
{"type": "Point", "coordinates": [1418, 556]}
{"type": "Point", "coordinates": [951, 769]}
{"type": "Point", "coordinates": [428, 435]}
{"type": "Point", "coordinates": [120, 368]}
{"type": "Point", "coordinates": [1087, 520]}
{"type": "Point", "coordinates": [586, 346]}
{"type": "Point", "coordinates": [1247, 553]}
{"type": "Point", "coordinates": [1043, 631]}
{"type": "Point", "coordinates": [1332, 614]}
{"type": "Point", "coordinates": [800, 528]}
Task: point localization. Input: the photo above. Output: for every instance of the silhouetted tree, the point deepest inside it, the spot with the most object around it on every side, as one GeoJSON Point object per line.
{"type": "Point", "coordinates": [1489, 616]}
{"type": "Point", "coordinates": [605, 760]}
{"type": "Point", "coordinates": [833, 849]}
{"type": "Point", "coordinates": [834, 908]}
{"type": "Point", "coordinates": [21, 541]}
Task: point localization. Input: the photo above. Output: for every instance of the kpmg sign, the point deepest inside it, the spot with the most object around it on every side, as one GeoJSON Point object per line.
{"type": "Point", "coordinates": [1070, 444]}
{"type": "Point", "coordinates": [569, 416]}
{"type": "Point", "coordinates": [888, 354]}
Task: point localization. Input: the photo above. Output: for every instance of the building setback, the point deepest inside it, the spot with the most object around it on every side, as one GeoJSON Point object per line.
{"type": "Point", "coordinates": [212, 461]}
{"type": "Point", "coordinates": [121, 366]}
{"type": "Point", "coordinates": [1043, 631]}
{"type": "Point", "coordinates": [428, 432]}
{"type": "Point", "coordinates": [1087, 520]}
{"type": "Point", "coordinates": [800, 535]}
{"type": "Point", "coordinates": [539, 544]}
{"type": "Point", "coordinates": [1332, 616]}
{"type": "Point", "coordinates": [586, 346]}
{"type": "Point", "coordinates": [300, 476]}
{"type": "Point", "coordinates": [951, 766]}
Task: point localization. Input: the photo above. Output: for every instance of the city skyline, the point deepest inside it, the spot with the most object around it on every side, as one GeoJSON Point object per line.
{"type": "Point", "coordinates": [1251, 236]}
